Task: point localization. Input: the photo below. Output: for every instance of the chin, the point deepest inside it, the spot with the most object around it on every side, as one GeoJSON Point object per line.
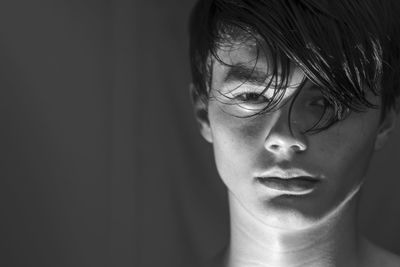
{"type": "Point", "coordinates": [291, 215]}
{"type": "Point", "coordinates": [288, 221]}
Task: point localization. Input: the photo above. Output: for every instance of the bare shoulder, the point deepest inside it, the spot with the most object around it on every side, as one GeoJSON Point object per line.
{"type": "Point", "coordinates": [380, 257]}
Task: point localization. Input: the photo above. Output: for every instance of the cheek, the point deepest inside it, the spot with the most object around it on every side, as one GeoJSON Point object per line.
{"type": "Point", "coordinates": [346, 149]}
{"type": "Point", "coordinates": [235, 142]}
{"type": "Point", "coordinates": [234, 132]}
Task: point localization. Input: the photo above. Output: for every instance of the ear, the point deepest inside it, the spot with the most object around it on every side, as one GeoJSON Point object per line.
{"type": "Point", "coordinates": [201, 113]}
{"type": "Point", "coordinates": [387, 125]}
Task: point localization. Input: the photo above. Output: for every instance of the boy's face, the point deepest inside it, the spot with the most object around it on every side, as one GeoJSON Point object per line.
{"type": "Point", "coordinates": [248, 148]}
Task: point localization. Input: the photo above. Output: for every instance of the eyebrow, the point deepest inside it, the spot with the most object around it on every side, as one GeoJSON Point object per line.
{"type": "Point", "coordinates": [254, 76]}
{"type": "Point", "coordinates": [245, 73]}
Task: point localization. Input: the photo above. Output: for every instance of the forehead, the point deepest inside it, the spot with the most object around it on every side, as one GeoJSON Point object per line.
{"type": "Point", "coordinates": [241, 50]}
{"type": "Point", "coordinates": [251, 61]}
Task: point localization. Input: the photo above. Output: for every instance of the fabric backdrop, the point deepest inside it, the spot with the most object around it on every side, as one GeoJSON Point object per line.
{"type": "Point", "coordinates": [101, 160]}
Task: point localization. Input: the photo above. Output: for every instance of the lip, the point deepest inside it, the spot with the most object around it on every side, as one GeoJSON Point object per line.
{"type": "Point", "coordinates": [300, 184]}
{"type": "Point", "coordinates": [288, 174]}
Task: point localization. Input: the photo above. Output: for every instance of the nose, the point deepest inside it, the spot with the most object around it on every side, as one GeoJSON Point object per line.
{"type": "Point", "coordinates": [283, 140]}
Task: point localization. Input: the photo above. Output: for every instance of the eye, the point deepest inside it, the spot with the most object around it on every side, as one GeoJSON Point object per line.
{"type": "Point", "coordinates": [252, 98]}
{"type": "Point", "coordinates": [321, 102]}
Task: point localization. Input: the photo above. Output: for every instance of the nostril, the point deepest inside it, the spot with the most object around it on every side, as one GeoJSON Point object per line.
{"type": "Point", "coordinates": [297, 148]}
{"type": "Point", "coordinates": [300, 147]}
{"type": "Point", "coordinates": [274, 147]}
{"type": "Point", "coordinates": [278, 143]}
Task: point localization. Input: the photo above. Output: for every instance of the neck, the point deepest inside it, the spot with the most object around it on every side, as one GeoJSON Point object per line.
{"type": "Point", "coordinates": [333, 242]}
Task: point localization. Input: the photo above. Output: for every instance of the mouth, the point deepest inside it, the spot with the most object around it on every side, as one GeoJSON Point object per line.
{"type": "Point", "coordinates": [296, 185]}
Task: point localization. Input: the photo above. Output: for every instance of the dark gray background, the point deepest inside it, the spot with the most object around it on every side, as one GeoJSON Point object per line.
{"type": "Point", "coordinates": [101, 160]}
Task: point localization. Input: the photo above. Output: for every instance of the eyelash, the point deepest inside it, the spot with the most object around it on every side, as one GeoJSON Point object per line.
{"type": "Point", "coordinates": [247, 95]}
{"type": "Point", "coordinates": [326, 103]}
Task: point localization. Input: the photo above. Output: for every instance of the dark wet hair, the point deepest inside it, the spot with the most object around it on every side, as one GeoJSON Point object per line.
{"type": "Point", "coordinates": [346, 47]}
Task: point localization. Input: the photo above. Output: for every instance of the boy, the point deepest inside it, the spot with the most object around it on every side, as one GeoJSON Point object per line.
{"type": "Point", "coordinates": [295, 96]}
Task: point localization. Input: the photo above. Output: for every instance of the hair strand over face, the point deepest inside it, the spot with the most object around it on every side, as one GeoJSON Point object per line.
{"type": "Point", "coordinates": [346, 47]}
